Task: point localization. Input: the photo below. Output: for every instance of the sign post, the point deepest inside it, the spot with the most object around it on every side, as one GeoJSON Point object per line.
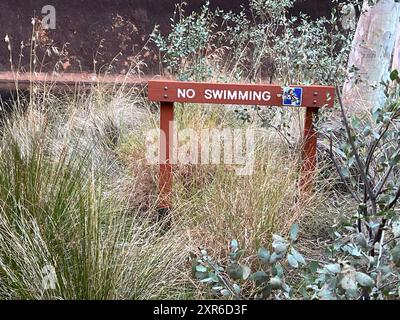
{"type": "Point", "coordinates": [165, 179]}
{"type": "Point", "coordinates": [167, 92]}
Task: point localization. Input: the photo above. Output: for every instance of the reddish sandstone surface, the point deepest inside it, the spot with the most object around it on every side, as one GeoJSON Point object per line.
{"type": "Point", "coordinates": [98, 30]}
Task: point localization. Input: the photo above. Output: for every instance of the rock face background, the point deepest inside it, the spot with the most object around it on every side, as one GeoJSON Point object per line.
{"type": "Point", "coordinates": [97, 30]}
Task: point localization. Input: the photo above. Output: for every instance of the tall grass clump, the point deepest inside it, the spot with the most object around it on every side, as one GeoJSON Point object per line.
{"type": "Point", "coordinates": [59, 222]}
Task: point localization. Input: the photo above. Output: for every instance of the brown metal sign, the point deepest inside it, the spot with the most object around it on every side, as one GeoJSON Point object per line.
{"type": "Point", "coordinates": [240, 94]}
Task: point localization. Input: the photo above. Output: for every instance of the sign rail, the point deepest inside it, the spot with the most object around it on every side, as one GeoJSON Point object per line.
{"type": "Point", "coordinates": [167, 92]}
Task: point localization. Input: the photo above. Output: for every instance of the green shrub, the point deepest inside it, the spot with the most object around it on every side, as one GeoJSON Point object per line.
{"type": "Point", "coordinates": [268, 44]}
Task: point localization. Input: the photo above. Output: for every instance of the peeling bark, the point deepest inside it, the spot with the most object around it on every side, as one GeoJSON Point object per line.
{"type": "Point", "coordinates": [371, 55]}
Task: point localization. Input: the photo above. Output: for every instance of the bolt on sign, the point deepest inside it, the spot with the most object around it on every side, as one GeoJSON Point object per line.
{"type": "Point", "coordinates": [167, 92]}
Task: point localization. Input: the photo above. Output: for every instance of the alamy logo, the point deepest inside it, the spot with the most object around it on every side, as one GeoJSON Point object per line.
{"type": "Point", "coordinates": [49, 17]}
{"type": "Point", "coordinates": [209, 146]}
{"type": "Point", "coordinates": [49, 280]}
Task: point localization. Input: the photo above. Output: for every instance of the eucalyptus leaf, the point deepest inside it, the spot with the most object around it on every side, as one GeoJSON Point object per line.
{"type": "Point", "coordinates": [280, 247]}
{"type": "Point", "coordinates": [246, 271]}
{"type": "Point", "coordinates": [278, 238]}
{"type": "Point", "coordinates": [292, 261]}
{"type": "Point", "coordinates": [201, 268]}
{"type": "Point", "coordinates": [345, 172]}
{"type": "Point", "coordinates": [225, 292]}
{"type": "Point", "coordinates": [234, 245]}
{"type": "Point", "coordinates": [352, 294]}
{"type": "Point", "coordinates": [201, 275]}
{"type": "Point", "coordinates": [396, 255]}
{"type": "Point", "coordinates": [236, 287]}
{"type": "Point", "coordinates": [361, 240]}
{"type": "Point", "coordinates": [364, 280]}
{"type": "Point", "coordinates": [333, 268]}
{"type": "Point", "coordinates": [355, 122]}
{"type": "Point", "coordinates": [264, 255]}
{"type": "Point", "coordinates": [348, 281]}
{"type": "Point", "coordinates": [277, 270]}
{"type": "Point", "coordinates": [326, 293]}
{"type": "Point", "coordinates": [394, 75]}
{"type": "Point", "coordinates": [259, 277]}
{"type": "Point", "coordinates": [294, 232]}
{"type": "Point", "coordinates": [235, 271]}
{"type": "Point", "coordinates": [275, 282]}
{"type": "Point", "coordinates": [300, 259]}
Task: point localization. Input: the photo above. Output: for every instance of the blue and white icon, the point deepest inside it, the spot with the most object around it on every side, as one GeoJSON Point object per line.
{"type": "Point", "coordinates": [292, 96]}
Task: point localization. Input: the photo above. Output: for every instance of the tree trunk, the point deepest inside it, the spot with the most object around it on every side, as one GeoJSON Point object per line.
{"type": "Point", "coordinates": [371, 55]}
{"type": "Point", "coordinates": [396, 52]}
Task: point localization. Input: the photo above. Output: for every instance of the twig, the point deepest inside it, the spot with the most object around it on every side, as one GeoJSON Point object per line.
{"type": "Point", "coordinates": [378, 235]}
{"type": "Point", "coordinates": [390, 240]}
{"type": "Point", "coordinates": [353, 194]}
{"type": "Point", "coordinates": [380, 249]}
{"type": "Point", "coordinates": [391, 205]}
{"type": "Point", "coordinates": [360, 164]}
{"type": "Point", "coordinates": [273, 127]}
{"type": "Point", "coordinates": [384, 180]}
{"type": "Point", "coordinates": [375, 145]}
{"type": "Point", "coordinates": [226, 284]}
{"type": "Point", "coordinates": [389, 284]}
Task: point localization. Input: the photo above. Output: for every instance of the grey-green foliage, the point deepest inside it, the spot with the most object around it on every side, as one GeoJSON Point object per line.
{"type": "Point", "coordinates": [267, 282]}
{"type": "Point", "coordinates": [315, 51]}
{"type": "Point", "coordinates": [362, 260]}
{"type": "Point", "coordinates": [354, 272]}
{"type": "Point", "coordinates": [184, 50]}
{"type": "Point", "coordinates": [350, 271]}
{"type": "Point", "coordinates": [368, 164]}
{"type": "Point", "coordinates": [364, 253]}
{"type": "Point", "coordinates": [268, 43]}
{"type": "Point", "coordinates": [269, 9]}
{"type": "Point", "coordinates": [368, 161]}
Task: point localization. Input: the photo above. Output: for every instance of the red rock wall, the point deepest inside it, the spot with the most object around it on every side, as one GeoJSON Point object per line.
{"type": "Point", "coordinates": [123, 25]}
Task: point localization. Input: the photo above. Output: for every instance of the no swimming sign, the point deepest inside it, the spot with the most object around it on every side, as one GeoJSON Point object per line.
{"type": "Point", "coordinates": [240, 94]}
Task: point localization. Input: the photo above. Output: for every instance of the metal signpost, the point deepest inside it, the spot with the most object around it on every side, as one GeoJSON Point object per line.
{"type": "Point", "coordinates": [167, 92]}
